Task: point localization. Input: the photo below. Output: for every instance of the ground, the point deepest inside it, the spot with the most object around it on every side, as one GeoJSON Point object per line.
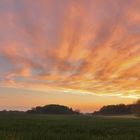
{"type": "Point", "coordinates": [52, 127]}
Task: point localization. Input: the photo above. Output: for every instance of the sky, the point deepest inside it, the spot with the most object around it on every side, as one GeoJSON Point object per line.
{"type": "Point", "coordinates": [80, 53]}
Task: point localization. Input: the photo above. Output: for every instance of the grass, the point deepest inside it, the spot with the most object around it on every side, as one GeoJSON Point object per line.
{"type": "Point", "coordinates": [43, 127]}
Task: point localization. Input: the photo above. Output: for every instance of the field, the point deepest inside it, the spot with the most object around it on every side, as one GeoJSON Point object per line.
{"type": "Point", "coordinates": [43, 127]}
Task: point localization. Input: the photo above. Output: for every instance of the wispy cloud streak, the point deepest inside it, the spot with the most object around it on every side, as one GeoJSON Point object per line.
{"type": "Point", "coordinates": [83, 45]}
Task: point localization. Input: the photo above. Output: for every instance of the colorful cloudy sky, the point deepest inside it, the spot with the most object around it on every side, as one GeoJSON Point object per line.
{"type": "Point", "coordinates": [81, 53]}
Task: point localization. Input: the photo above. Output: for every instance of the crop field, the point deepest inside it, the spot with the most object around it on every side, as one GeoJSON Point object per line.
{"type": "Point", "coordinates": [54, 127]}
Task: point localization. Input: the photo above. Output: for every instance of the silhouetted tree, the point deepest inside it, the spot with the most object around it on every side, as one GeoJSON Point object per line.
{"type": "Point", "coordinates": [120, 109]}
{"type": "Point", "coordinates": [52, 109]}
{"type": "Point", "coordinates": [136, 108]}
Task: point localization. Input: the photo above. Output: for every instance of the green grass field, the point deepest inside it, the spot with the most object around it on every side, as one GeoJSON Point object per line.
{"type": "Point", "coordinates": [43, 127]}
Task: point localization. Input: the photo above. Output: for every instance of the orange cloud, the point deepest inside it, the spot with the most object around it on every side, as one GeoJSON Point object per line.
{"type": "Point", "coordinates": [85, 46]}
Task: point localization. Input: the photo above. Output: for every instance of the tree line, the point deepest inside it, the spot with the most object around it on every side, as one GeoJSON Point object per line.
{"type": "Point", "coordinates": [120, 109]}
{"type": "Point", "coordinates": [53, 109]}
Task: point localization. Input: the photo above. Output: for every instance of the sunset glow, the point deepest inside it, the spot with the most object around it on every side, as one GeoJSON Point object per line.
{"type": "Point", "coordinates": [82, 53]}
